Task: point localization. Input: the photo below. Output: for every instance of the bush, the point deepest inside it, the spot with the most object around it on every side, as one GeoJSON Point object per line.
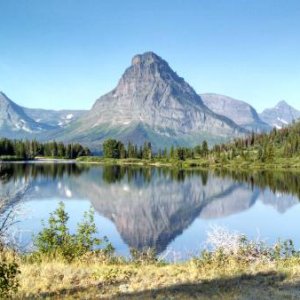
{"type": "Point", "coordinates": [9, 271]}
{"type": "Point", "coordinates": [56, 239]}
{"type": "Point", "coordinates": [224, 246]}
{"type": "Point", "coordinates": [143, 257]}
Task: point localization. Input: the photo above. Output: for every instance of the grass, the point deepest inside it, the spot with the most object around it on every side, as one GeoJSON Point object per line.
{"type": "Point", "coordinates": [237, 163]}
{"type": "Point", "coordinates": [235, 268]}
{"type": "Point", "coordinates": [127, 161]}
{"type": "Point", "coordinates": [94, 278]}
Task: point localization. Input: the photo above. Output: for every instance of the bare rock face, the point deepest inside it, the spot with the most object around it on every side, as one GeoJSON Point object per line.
{"type": "Point", "coordinates": [151, 96]}
{"type": "Point", "coordinates": [239, 111]}
{"type": "Point", "coordinates": [281, 115]}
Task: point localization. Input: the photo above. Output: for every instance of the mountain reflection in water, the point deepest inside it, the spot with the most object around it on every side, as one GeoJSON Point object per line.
{"type": "Point", "coordinates": [150, 207]}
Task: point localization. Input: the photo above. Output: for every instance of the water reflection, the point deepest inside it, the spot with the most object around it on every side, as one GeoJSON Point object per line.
{"type": "Point", "coordinates": [150, 207]}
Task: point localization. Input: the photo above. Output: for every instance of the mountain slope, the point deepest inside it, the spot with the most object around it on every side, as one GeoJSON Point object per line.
{"type": "Point", "coordinates": [54, 118]}
{"type": "Point", "coordinates": [239, 111]}
{"type": "Point", "coordinates": [22, 122]}
{"type": "Point", "coordinates": [280, 115]}
{"type": "Point", "coordinates": [15, 123]}
{"type": "Point", "coordinates": [151, 100]}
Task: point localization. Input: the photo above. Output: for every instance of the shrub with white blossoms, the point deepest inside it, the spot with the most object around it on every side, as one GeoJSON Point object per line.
{"type": "Point", "coordinates": [220, 239]}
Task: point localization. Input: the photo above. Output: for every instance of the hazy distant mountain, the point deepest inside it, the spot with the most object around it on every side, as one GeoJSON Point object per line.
{"type": "Point", "coordinates": [151, 102]}
{"type": "Point", "coordinates": [54, 118]}
{"type": "Point", "coordinates": [22, 122]}
{"type": "Point", "coordinates": [15, 123]}
{"type": "Point", "coordinates": [280, 115]}
{"type": "Point", "coordinates": [239, 111]}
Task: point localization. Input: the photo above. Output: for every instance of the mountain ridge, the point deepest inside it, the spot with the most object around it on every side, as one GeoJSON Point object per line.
{"type": "Point", "coordinates": [150, 94]}
{"type": "Point", "coordinates": [241, 112]}
{"type": "Point", "coordinates": [150, 103]}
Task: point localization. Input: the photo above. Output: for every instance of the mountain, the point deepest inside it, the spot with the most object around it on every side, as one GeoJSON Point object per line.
{"type": "Point", "coordinates": [239, 111]}
{"type": "Point", "coordinates": [15, 123]}
{"type": "Point", "coordinates": [54, 118]}
{"type": "Point", "coordinates": [151, 102]}
{"type": "Point", "coordinates": [22, 122]}
{"type": "Point", "coordinates": [280, 115]}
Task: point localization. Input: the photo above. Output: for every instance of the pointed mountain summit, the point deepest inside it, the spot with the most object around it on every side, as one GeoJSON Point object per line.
{"type": "Point", "coordinates": [151, 102]}
{"type": "Point", "coordinates": [238, 111]}
{"type": "Point", "coordinates": [280, 115]}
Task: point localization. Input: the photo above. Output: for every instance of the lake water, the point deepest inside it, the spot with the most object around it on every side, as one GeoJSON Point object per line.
{"type": "Point", "coordinates": [165, 209]}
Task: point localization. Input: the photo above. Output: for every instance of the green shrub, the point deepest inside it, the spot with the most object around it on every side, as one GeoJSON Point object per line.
{"type": "Point", "coordinates": [9, 271]}
{"type": "Point", "coordinates": [56, 239]}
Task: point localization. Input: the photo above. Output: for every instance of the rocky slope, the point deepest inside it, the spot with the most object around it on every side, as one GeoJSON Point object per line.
{"type": "Point", "coordinates": [239, 111]}
{"type": "Point", "coordinates": [151, 102]}
{"type": "Point", "coordinates": [15, 123]}
{"type": "Point", "coordinates": [280, 115]}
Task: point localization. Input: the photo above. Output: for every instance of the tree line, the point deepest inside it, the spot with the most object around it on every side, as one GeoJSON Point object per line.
{"type": "Point", "coordinates": [116, 149]}
{"type": "Point", "coordinates": [263, 147]}
{"type": "Point", "coordinates": [26, 149]}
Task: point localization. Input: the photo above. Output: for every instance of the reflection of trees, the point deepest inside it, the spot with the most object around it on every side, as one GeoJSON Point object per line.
{"type": "Point", "coordinates": [284, 182]}
{"type": "Point", "coordinates": [114, 174]}
{"type": "Point", "coordinates": [6, 172]}
{"type": "Point", "coordinates": [276, 181]}
{"type": "Point", "coordinates": [32, 171]}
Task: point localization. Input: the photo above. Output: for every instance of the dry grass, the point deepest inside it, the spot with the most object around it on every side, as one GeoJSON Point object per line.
{"type": "Point", "coordinates": [234, 269]}
{"type": "Point", "coordinates": [97, 279]}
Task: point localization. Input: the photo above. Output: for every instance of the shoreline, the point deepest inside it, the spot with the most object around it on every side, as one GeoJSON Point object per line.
{"type": "Point", "coordinates": [194, 164]}
{"type": "Point", "coordinates": [39, 160]}
{"type": "Point", "coordinates": [189, 164]}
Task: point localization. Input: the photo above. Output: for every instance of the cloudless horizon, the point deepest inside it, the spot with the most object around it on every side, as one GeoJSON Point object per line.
{"type": "Point", "coordinates": [64, 54]}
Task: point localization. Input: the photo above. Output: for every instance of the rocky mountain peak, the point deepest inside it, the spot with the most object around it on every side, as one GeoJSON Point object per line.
{"type": "Point", "coordinates": [150, 69]}
{"type": "Point", "coordinates": [151, 102]}
{"type": "Point", "coordinates": [281, 115]}
{"type": "Point", "coordinates": [147, 58]}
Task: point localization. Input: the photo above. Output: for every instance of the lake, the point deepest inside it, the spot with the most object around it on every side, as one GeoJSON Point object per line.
{"type": "Point", "coordinates": [166, 209]}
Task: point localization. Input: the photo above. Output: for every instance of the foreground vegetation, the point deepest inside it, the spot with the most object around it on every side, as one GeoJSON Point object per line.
{"type": "Point", "coordinates": [69, 266]}
{"type": "Point", "coordinates": [217, 277]}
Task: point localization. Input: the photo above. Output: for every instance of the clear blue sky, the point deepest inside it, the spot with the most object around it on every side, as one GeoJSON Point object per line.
{"type": "Point", "coordinates": [66, 53]}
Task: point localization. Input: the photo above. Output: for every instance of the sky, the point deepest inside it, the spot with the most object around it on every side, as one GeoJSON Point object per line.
{"type": "Point", "coordinates": [60, 54]}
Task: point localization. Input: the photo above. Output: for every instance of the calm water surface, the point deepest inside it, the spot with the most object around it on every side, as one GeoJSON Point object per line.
{"type": "Point", "coordinates": [168, 210]}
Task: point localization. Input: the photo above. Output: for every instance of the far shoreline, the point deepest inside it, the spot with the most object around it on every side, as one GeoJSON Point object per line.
{"type": "Point", "coordinates": [39, 160]}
